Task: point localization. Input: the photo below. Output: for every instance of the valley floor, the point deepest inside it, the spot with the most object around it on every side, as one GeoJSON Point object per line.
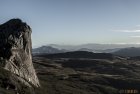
{"type": "Point", "coordinates": [83, 76]}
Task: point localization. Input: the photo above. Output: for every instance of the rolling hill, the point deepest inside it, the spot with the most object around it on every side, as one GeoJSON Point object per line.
{"type": "Point", "coordinates": [79, 54]}
{"type": "Point", "coordinates": [128, 52]}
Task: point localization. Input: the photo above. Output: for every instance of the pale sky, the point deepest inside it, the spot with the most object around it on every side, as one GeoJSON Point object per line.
{"type": "Point", "coordinates": [76, 21]}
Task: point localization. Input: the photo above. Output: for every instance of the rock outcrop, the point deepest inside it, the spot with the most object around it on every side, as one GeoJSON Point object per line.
{"type": "Point", "coordinates": [15, 51]}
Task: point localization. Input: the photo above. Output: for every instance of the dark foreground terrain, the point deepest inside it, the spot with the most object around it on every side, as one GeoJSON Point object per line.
{"type": "Point", "coordinates": [78, 75]}
{"type": "Point", "coordinates": [87, 76]}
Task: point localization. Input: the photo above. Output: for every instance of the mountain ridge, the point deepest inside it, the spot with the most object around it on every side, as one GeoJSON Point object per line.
{"type": "Point", "coordinates": [93, 46]}
{"type": "Point", "coordinates": [128, 52]}
{"type": "Point", "coordinates": [79, 54]}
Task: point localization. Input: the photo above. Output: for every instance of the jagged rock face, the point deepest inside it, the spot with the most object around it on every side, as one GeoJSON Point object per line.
{"type": "Point", "coordinates": [15, 50]}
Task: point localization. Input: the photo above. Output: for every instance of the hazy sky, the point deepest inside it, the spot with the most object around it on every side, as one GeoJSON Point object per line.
{"type": "Point", "coordinates": [76, 21]}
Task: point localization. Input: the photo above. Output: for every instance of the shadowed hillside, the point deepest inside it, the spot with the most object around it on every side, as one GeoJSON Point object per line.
{"type": "Point", "coordinates": [79, 54]}
{"type": "Point", "coordinates": [128, 52]}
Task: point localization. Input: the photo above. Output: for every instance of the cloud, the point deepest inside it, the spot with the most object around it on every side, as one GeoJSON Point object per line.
{"type": "Point", "coordinates": [129, 31]}
{"type": "Point", "coordinates": [135, 36]}
{"type": "Point", "coordinates": [137, 25]}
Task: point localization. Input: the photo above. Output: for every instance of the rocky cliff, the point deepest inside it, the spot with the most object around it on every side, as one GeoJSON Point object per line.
{"type": "Point", "coordinates": [15, 51]}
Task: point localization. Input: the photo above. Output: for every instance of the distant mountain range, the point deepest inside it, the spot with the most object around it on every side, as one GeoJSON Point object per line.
{"type": "Point", "coordinates": [47, 50]}
{"type": "Point", "coordinates": [120, 51]}
{"type": "Point", "coordinates": [52, 50]}
{"type": "Point", "coordinates": [94, 47]}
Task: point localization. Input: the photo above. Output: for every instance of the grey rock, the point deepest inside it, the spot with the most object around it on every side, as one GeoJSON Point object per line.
{"type": "Point", "coordinates": [15, 51]}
